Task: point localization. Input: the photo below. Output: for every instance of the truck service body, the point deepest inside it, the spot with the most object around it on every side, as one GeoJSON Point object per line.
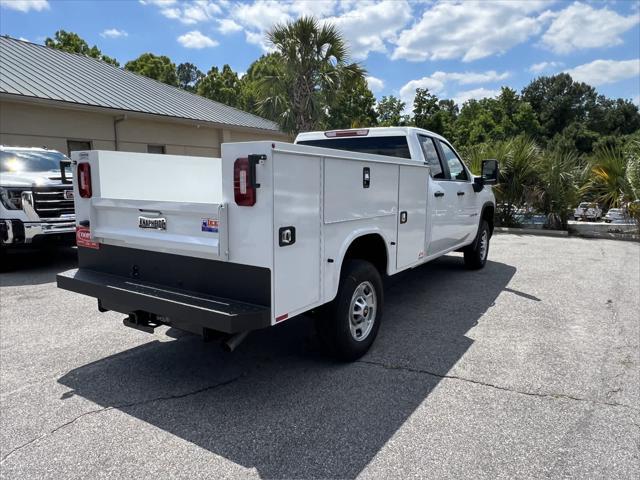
{"type": "Point", "coordinates": [273, 230]}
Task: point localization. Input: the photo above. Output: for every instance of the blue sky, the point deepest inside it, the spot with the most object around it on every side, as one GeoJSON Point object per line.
{"type": "Point", "coordinates": [456, 49]}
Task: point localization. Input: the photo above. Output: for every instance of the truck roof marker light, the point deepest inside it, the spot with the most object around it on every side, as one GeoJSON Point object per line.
{"type": "Point", "coordinates": [363, 132]}
{"type": "Point", "coordinates": [84, 180]}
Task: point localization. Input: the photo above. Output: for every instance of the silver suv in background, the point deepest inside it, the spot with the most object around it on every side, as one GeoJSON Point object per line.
{"type": "Point", "coordinates": [36, 197]}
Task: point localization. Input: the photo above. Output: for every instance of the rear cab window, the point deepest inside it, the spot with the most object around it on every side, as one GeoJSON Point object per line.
{"type": "Point", "coordinates": [431, 156]}
{"type": "Point", "coordinates": [392, 146]}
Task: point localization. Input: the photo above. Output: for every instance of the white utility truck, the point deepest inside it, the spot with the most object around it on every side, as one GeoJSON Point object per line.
{"type": "Point", "coordinates": [272, 230]}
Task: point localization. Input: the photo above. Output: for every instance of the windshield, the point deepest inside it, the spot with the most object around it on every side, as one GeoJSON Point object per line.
{"type": "Point", "coordinates": [16, 161]}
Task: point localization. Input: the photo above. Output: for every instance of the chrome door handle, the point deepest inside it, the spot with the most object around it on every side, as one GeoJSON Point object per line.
{"type": "Point", "coordinates": [439, 194]}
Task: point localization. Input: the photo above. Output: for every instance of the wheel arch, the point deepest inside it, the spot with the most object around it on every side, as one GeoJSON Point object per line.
{"type": "Point", "coordinates": [488, 214]}
{"type": "Point", "coordinates": [365, 244]}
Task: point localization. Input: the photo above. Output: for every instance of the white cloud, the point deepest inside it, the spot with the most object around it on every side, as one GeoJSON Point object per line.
{"type": "Point", "coordinates": [470, 30]}
{"type": "Point", "coordinates": [580, 26]}
{"type": "Point", "coordinates": [601, 72]}
{"type": "Point", "coordinates": [375, 84]}
{"type": "Point", "coordinates": [113, 33]}
{"type": "Point", "coordinates": [636, 100]}
{"type": "Point", "coordinates": [25, 5]}
{"type": "Point", "coordinates": [539, 67]}
{"type": "Point", "coordinates": [438, 83]}
{"type": "Point", "coordinates": [226, 25]}
{"type": "Point", "coordinates": [188, 13]}
{"type": "Point", "coordinates": [366, 26]}
{"type": "Point", "coordinates": [195, 39]}
{"type": "Point", "coordinates": [369, 26]}
{"type": "Point", "coordinates": [159, 3]}
{"type": "Point", "coordinates": [476, 94]}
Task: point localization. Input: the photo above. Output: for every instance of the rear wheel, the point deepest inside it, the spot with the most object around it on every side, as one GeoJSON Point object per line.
{"type": "Point", "coordinates": [475, 255]}
{"type": "Point", "coordinates": [349, 324]}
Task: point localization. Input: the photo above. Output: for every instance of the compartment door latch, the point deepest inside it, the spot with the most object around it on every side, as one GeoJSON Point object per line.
{"type": "Point", "coordinates": [287, 236]}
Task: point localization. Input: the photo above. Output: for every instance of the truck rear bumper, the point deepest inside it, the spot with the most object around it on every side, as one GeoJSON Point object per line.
{"type": "Point", "coordinates": [131, 296]}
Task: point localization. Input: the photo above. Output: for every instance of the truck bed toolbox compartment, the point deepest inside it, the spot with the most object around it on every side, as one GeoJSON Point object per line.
{"type": "Point", "coordinates": [127, 295]}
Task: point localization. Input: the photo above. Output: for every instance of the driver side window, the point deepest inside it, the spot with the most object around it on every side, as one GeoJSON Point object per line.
{"type": "Point", "coordinates": [456, 169]}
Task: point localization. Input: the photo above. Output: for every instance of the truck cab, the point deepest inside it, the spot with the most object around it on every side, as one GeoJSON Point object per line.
{"type": "Point", "coordinates": [36, 198]}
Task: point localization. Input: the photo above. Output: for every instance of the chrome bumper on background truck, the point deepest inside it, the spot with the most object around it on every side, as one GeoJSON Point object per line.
{"type": "Point", "coordinates": [17, 232]}
{"type": "Point", "coordinates": [188, 293]}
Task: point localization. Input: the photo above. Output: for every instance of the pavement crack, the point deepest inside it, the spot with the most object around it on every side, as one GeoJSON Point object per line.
{"type": "Point", "coordinates": [498, 387]}
{"type": "Point", "coordinates": [120, 406]}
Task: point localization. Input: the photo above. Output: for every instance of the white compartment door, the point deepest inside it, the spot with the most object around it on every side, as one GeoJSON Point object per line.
{"type": "Point", "coordinates": [296, 243]}
{"type": "Point", "coordinates": [412, 215]}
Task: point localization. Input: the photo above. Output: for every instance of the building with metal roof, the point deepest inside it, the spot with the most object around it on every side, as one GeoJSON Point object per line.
{"type": "Point", "coordinates": [67, 101]}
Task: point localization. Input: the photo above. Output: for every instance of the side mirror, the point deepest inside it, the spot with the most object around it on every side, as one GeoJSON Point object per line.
{"type": "Point", "coordinates": [489, 175]}
{"type": "Point", "coordinates": [490, 172]}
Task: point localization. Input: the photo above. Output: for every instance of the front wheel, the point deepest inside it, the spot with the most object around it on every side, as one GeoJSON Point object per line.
{"type": "Point", "coordinates": [349, 324]}
{"type": "Point", "coordinates": [475, 255]}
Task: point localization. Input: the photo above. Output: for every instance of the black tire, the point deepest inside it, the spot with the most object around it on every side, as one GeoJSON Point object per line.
{"type": "Point", "coordinates": [334, 320]}
{"type": "Point", "coordinates": [475, 256]}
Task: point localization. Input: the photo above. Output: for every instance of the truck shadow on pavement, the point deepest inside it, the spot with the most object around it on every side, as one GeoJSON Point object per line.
{"type": "Point", "coordinates": [277, 405]}
{"type": "Point", "coordinates": [35, 267]}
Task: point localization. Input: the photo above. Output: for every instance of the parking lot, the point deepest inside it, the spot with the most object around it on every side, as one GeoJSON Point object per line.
{"type": "Point", "coordinates": [526, 369]}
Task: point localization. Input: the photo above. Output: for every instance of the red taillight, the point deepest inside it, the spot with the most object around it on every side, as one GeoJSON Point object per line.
{"type": "Point", "coordinates": [347, 133]}
{"type": "Point", "coordinates": [244, 185]}
{"type": "Point", "coordinates": [84, 180]}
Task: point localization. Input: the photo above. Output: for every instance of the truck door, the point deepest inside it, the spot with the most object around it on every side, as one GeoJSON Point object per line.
{"type": "Point", "coordinates": [466, 210]}
{"type": "Point", "coordinates": [441, 194]}
{"type": "Point", "coordinates": [412, 215]}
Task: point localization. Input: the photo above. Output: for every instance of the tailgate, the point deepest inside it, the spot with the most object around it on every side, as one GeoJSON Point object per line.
{"type": "Point", "coordinates": [195, 229]}
{"type": "Point", "coordinates": [163, 203]}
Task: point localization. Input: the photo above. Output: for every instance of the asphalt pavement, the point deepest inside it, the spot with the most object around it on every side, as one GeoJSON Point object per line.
{"type": "Point", "coordinates": [528, 368]}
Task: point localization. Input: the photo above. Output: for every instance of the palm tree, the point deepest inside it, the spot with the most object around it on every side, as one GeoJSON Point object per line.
{"type": "Point", "coordinates": [315, 61]}
{"type": "Point", "coordinates": [608, 183]}
{"type": "Point", "coordinates": [518, 159]}
{"type": "Point", "coordinates": [557, 191]}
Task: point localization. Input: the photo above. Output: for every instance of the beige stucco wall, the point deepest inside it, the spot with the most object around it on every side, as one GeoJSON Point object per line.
{"type": "Point", "coordinates": [34, 125]}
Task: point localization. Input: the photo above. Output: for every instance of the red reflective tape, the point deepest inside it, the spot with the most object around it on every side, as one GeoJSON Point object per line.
{"type": "Point", "coordinates": [282, 317]}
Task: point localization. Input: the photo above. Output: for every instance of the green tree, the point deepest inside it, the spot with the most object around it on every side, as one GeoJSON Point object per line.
{"type": "Point", "coordinates": [158, 67]}
{"type": "Point", "coordinates": [425, 108]}
{"type": "Point", "coordinates": [389, 111]}
{"type": "Point", "coordinates": [608, 183]}
{"type": "Point", "coordinates": [518, 177]}
{"type": "Point", "coordinates": [315, 62]}
{"type": "Point", "coordinates": [558, 102]}
{"type": "Point", "coordinates": [188, 76]}
{"type": "Point", "coordinates": [354, 106]}
{"type": "Point", "coordinates": [73, 43]}
{"type": "Point", "coordinates": [632, 154]}
{"type": "Point", "coordinates": [558, 176]}
{"type": "Point", "coordinates": [223, 87]}
{"type": "Point", "coordinates": [269, 65]}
